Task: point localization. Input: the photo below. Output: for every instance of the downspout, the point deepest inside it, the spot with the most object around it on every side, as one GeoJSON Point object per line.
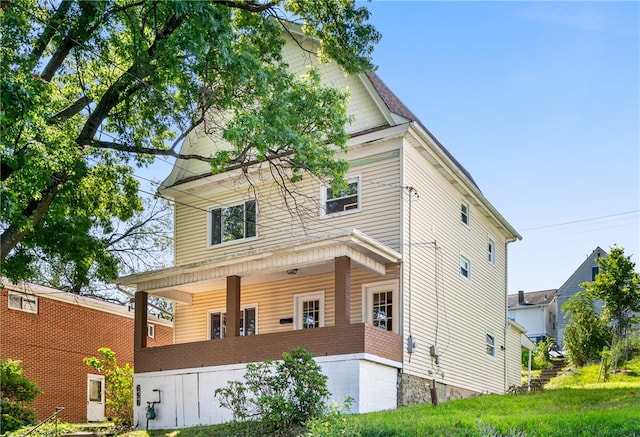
{"type": "Point", "coordinates": [506, 310]}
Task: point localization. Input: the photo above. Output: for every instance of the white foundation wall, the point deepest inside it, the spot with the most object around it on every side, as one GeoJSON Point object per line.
{"type": "Point", "coordinates": [187, 396]}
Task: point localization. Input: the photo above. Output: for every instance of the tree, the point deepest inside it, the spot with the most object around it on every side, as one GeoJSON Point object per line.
{"type": "Point", "coordinates": [92, 88]}
{"type": "Point", "coordinates": [118, 388]}
{"type": "Point", "coordinates": [142, 243]}
{"type": "Point", "coordinates": [618, 286]}
{"type": "Point", "coordinates": [16, 392]}
{"type": "Point", "coordinates": [586, 333]}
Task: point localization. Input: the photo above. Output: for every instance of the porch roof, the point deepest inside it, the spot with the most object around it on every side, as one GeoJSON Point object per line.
{"type": "Point", "coordinates": [303, 257]}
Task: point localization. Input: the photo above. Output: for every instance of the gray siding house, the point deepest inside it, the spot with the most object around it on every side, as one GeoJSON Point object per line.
{"type": "Point", "coordinates": [585, 273]}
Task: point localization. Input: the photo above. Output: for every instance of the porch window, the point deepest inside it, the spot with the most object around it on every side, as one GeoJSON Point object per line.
{"type": "Point", "coordinates": [151, 331]}
{"type": "Point", "coordinates": [309, 310]}
{"type": "Point", "coordinates": [218, 323]}
{"type": "Point", "coordinates": [232, 223]}
{"type": "Point", "coordinates": [380, 305]}
{"type": "Point", "coordinates": [23, 302]}
{"type": "Point", "coordinates": [491, 345]}
{"type": "Point", "coordinates": [336, 201]}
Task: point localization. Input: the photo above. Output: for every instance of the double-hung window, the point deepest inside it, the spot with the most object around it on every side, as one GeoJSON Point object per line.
{"type": "Point", "coordinates": [380, 305]}
{"type": "Point", "coordinates": [337, 201]}
{"type": "Point", "coordinates": [232, 223]}
{"type": "Point", "coordinates": [464, 214]}
{"type": "Point", "coordinates": [490, 345]}
{"type": "Point", "coordinates": [23, 302]}
{"type": "Point", "coordinates": [218, 323]}
{"type": "Point", "coordinates": [491, 250]}
{"type": "Point", "coordinates": [465, 267]}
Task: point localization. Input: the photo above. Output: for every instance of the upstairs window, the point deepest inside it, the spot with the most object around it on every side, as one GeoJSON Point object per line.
{"type": "Point", "coordinates": [464, 214]}
{"type": "Point", "coordinates": [23, 302]}
{"type": "Point", "coordinates": [594, 272]}
{"type": "Point", "coordinates": [232, 223]}
{"type": "Point", "coordinates": [336, 201]}
{"type": "Point", "coordinates": [465, 267]}
{"type": "Point", "coordinates": [491, 250]}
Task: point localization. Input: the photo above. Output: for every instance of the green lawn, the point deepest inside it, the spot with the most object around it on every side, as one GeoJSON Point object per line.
{"type": "Point", "coordinates": [575, 404]}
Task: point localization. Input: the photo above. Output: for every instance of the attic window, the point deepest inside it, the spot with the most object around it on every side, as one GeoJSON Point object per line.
{"type": "Point", "coordinates": [464, 214]}
{"type": "Point", "coordinates": [335, 202]}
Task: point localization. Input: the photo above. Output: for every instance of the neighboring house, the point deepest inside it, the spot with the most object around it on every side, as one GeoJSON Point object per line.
{"type": "Point", "coordinates": [585, 273]}
{"type": "Point", "coordinates": [51, 332]}
{"type": "Point", "coordinates": [536, 311]}
{"type": "Point", "coordinates": [395, 284]}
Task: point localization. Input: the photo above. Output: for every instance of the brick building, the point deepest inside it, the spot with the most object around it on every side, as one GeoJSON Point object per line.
{"type": "Point", "coordinates": [51, 332]}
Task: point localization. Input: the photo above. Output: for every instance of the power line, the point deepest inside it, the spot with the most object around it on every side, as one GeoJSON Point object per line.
{"type": "Point", "coordinates": [581, 221]}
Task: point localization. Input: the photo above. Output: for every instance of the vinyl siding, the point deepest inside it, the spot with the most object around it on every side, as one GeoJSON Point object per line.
{"type": "Point", "coordinates": [459, 310]}
{"type": "Point", "coordinates": [379, 216]}
{"type": "Point", "coordinates": [274, 301]}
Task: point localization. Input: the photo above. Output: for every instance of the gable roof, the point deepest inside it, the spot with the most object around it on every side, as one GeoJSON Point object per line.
{"type": "Point", "coordinates": [542, 297]}
{"type": "Point", "coordinates": [395, 106]}
{"type": "Point", "coordinates": [598, 252]}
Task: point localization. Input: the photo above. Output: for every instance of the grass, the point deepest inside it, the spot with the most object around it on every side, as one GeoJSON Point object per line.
{"type": "Point", "coordinates": [574, 404]}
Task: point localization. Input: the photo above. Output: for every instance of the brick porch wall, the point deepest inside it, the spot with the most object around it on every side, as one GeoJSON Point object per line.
{"type": "Point", "coordinates": [331, 340]}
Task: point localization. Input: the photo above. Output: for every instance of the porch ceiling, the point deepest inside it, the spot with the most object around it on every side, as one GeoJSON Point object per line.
{"type": "Point", "coordinates": [307, 257]}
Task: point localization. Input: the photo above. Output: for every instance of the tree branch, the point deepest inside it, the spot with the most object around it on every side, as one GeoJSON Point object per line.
{"type": "Point", "coordinates": [146, 150]}
{"type": "Point", "coordinates": [69, 111]}
{"type": "Point", "coordinates": [251, 6]}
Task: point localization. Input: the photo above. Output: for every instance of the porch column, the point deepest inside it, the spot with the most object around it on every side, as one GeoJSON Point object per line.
{"type": "Point", "coordinates": [233, 306]}
{"type": "Point", "coordinates": [342, 295]}
{"type": "Point", "coordinates": [140, 321]}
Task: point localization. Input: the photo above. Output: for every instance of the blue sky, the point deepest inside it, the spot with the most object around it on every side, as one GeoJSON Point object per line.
{"type": "Point", "coordinates": [540, 101]}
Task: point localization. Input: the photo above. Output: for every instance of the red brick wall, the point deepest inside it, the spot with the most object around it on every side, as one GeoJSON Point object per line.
{"type": "Point", "coordinates": [327, 341]}
{"type": "Point", "coordinates": [53, 343]}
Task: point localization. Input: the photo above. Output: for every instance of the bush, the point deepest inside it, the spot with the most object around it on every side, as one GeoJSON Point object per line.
{"type": "Point", "coordinates": [587, 333]}
{"type": "Point", "coordinates": [16, 392]}
{"type": "Point", "coordinates": [334, 423]}
{"type": "Point", "coordinates": [280, 394]}
{"type": "Point", "coordinates": [119, 387]}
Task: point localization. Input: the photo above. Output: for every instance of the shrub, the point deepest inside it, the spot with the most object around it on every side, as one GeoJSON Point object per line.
{"type": "Point", "coordinates": [333, 423]}
{"type": "Point", "coordinates": [16, 392]}
{"type": "Point", "coordinates": [119, 387]}
{"type": "Point", "coordinates": [282, 394]}
{"type": "Point", "coordinates": [587, 333]}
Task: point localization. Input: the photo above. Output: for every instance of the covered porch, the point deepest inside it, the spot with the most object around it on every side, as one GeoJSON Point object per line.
{"type": "Point", "coordinates": [332, 260]}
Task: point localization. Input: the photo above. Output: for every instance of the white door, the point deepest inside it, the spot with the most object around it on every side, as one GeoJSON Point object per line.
{"type": "Point", "coordinates": [95, 398]}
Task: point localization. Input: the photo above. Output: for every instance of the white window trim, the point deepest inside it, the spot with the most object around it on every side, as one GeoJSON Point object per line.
{"type": "Point", "coordinates": [491, 257]}
{"type": "Point", "coordinates": [323, 198]}
{"type": "Point", "coordinates": [299, 299]}
{"type": "Point", "coordinates": [210, 224]}
{"type": "Point", "coordinates": [469, 267]}
{"type": "Point", "coordinates": [486, 344]}
{"type": "Point", "coordinates": [224, 311]}
{"type": "Point", "coordinates": [465, 204]}
{"type": "Point", "coordinates": [367, 301]}
{"type": "Point", "coordinates": [23, 297]}
{"type": "Point", "coordinates": [151, 330]}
